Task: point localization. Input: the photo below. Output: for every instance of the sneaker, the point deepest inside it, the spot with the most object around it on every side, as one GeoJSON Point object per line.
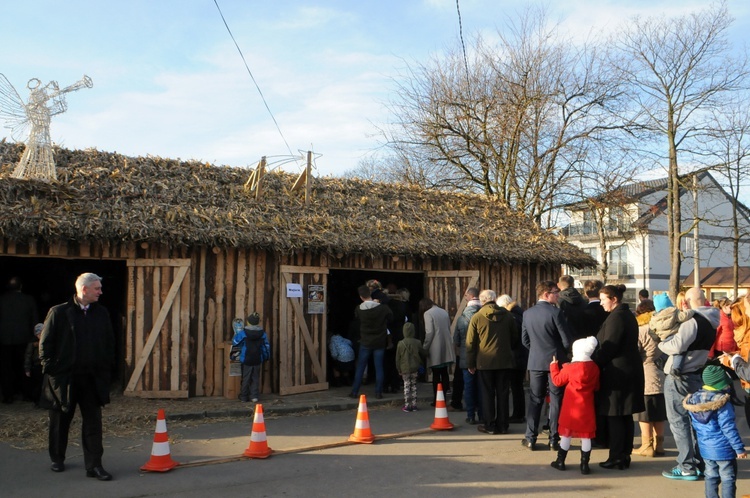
{"type": "Point", "coordinates": [414, 408]}
{"type": "Point", "coordinates": [470, 421]}
{"type": "Point", "coordinates": [254, 400]}
{"type": "Point", "coordinates": [406, 409]}
{"type": "Point", "coordinates": [678, 473]}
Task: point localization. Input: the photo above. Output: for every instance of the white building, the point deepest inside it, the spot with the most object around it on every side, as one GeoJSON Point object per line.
{"type": "Point", "coordinates": [636, 235]}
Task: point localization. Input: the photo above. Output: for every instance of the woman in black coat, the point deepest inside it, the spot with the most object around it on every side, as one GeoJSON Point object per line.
{"type": "Point", "coordinates": [621, 375]}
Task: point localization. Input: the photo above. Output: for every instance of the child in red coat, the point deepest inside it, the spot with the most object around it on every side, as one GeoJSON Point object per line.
{"type": "Point", "coordinates": [577, 415]}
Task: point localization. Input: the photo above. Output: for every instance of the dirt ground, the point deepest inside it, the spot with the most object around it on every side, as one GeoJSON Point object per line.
{"type": "Point", "coordinates": [25, 427]}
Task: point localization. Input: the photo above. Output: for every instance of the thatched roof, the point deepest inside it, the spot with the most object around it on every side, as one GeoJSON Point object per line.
{"type": "Point", "coordinates": [108, 196]}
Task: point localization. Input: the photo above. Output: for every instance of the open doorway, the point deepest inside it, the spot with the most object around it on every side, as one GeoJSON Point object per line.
{"type": "Point", "coordinates": [343, 298]}
{"type": "Point", "coordinates": [51, 281]}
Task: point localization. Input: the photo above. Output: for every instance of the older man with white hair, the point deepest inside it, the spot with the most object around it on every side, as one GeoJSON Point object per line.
{"type": "Point", "coordinates": [693, 339]}
{"type": "Point", "coordinates": [490, 341]}
{"type": "Point", "coordinates": [77, 354]}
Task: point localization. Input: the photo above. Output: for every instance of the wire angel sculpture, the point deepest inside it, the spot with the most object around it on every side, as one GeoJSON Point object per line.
{"type": "Point", "coordinates": [34, 118]}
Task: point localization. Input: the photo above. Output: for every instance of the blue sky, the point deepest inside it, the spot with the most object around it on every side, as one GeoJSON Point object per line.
{"type": "Point", "coordinates": [169, 82]}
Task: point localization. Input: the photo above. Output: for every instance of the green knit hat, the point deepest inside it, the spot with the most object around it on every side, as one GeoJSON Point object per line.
{"type": "Point", "coordinates": [716, 378]}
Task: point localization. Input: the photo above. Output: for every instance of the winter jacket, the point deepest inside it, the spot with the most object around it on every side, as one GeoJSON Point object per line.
{"type": "Point", "coordinates": [715, 426]}
{"type": "Point", "coordinates": [577, 414]}
{"type": "Point", "coordinates": [341, 349]}
{"type": "Point", "coordinates": [572, 304]}
{"type": "Point", "coordinates": [694, 338]}
{"type": "Point", "coordinates": [724, 342]}
{"type": "Point", "coordinates": [520, 353]}
{"type": "Point", "coordinates": [649, 350]}
{"type": "Point", "coordinates": [667, 322]}
{"type": "Point", "coordinates": [437, 337]}
{"type": "Point", "coordinates": [255, 347]}
{"type": "Point", "coordinates": [373, 324]}
{"type": "Point", "coordinates": [621, 368]}
{"type": "Point", "coordinates": [491, 338]}
{"type": "Point", "coordinates": [462, 326]}
{"type": "Point", "coordinates": [409, 352]}
{"type": "Point", "coordinates": [63, 356]}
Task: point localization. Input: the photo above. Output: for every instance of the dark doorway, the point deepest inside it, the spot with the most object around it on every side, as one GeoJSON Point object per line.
{"type": "Point", "coordinates": [51, 281]}
{"type": "Point", "coordinates": [343, 299]}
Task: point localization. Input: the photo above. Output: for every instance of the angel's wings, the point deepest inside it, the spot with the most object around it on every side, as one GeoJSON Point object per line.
{"type": "Point", "coordinates": [13, 110]}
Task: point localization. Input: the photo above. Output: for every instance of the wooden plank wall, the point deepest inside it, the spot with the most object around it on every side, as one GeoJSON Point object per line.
{"type": "Point", "coordinates": [225, 284]}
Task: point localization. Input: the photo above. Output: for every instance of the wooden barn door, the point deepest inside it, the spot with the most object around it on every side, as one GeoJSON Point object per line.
{"type": "Point", "coordinates": [302, 335]}
{"type": "Point", "coordinates": [158, 325]}
{"type": "Point", "coordinates": [447, 288]}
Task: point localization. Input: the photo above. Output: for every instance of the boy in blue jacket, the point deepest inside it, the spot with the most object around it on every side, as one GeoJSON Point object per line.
{"type": "Point", "coordinates": [255, 351]}
{"type": "Point", "coordinates": [719, 441]}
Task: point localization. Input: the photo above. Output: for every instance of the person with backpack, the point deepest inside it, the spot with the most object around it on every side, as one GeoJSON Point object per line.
{"type": "Point", "coordinates": [255, 351]}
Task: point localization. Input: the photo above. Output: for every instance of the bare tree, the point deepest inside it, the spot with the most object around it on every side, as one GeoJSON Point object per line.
{"type": "Point", "coordinates": [607, 195]}
{"type": "Point", "coordinates": [728, 143]}
{"type": "Point", "coordinates": [680, 69]}
{"type": "Point", "coordinates": [511, 122]}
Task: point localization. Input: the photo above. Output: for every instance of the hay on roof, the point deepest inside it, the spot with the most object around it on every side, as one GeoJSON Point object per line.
{"type": "Point", "coordinates": [111, 197]}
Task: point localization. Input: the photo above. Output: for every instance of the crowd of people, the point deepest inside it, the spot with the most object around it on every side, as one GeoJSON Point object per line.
{"type": "Point", "coordinates": [593, 365]}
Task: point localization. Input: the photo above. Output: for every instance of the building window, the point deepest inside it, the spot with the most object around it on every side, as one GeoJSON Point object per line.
{"type": "Point", "coordinates": [586, 272]}
{"type": "Point", "coordinates": [618, 262]}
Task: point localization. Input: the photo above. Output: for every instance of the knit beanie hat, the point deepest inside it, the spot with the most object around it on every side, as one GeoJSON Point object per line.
{"type": "Point", "coordinates": [253, 319]}
{"type": "Point", "coordinates": [662, 301]}
{"type": "Point", "coordinates": [716, 378]}
{"type": "Point", "coordinates": [584, 348]}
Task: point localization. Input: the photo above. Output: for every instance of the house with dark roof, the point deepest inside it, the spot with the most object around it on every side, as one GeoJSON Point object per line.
{"type": "Point", "coordinates": [186, 247]}
{"type": "Point", "coordinates": [636, 233]}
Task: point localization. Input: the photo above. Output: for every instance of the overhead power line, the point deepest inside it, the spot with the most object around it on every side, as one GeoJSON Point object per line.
{"type": "Point", "coordinates": [463, 46]}
{"type": "Point", "coordinates": [253, 78]}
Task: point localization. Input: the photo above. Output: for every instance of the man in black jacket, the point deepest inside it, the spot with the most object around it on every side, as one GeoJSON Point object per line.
{"type": "Point", "coordinates": [77, 354]}
{"type": "Point", "coordinates": [572, 304]}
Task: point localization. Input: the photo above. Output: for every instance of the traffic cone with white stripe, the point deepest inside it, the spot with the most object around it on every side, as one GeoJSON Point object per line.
{"type": "Point", "coordinates": [161, 460]}
{"type": "Point", "coordinates": [362, 432]}
{"type": "Point", "coordinates": [441, 422]}
{"type": "Point", "coordinates": [258, 447]}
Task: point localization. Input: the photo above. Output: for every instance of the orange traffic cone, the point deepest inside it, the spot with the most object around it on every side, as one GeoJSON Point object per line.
{"type": "Point", "coordinates": [258, 445]}
{"type": "Point", "coordinates": [362, 432]}
{"type": "Point", "coordinates": [160, 461]}
{"type": "Point", "coordinates": [441, 422]}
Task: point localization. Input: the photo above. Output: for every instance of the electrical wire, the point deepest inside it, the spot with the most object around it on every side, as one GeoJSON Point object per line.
{"type": "Point", "coordinates": [253, 78]}
{"type": "Point", "coordinates": [463, 46]}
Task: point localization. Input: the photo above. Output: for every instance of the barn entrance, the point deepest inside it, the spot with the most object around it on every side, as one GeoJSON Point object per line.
{"type": "Point", "coordinates": [51, 281]}
{"type": "Point", "coordinates": [342, 294]}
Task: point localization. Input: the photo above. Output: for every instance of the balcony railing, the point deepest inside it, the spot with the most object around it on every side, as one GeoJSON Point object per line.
{"type": "Point", "coordinates": [591, 228]}
{"type": "Point", "coordinates": [617, 270]}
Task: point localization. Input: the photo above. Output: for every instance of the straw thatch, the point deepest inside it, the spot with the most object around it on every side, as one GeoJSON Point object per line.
{"type": "Point", "coordinates": [110, 197]}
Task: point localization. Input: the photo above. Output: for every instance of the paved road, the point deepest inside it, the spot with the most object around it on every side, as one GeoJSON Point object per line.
{"type": "Point", "coordinates": [462, 462]}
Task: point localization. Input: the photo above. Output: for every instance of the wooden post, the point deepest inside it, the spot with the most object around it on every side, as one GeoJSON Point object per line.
{"type": "Point", "coordinates": [308, 183]}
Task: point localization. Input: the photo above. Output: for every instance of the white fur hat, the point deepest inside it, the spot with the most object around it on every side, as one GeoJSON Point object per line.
{"type": "Point", "coordinates": [584, 348]}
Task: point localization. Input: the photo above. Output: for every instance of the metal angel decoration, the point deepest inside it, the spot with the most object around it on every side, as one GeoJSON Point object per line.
{"type": "Point", "coordinates": [34, 117]}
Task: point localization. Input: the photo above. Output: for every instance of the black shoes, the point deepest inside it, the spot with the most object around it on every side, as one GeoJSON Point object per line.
{"type": "Point", "coordinates": [378, 395]}
{"type": "Point", "coordinates": [483, 428]}
{"type": "Point", "coordinates": [554, 445]}
{"type": "Point", "coordinates": [528, 444]}
{"type": "Point", "coordinates": [99, 473]}
{"type": "Point", "coordinates": [57, 467]}
{"type": "Point", "coordinates": [618, 463]}
{"type": "Point", "coordinates": [354, 395]}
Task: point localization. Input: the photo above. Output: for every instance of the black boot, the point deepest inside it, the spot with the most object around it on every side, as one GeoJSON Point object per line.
{"type": "Point", "coordinates": [585, 456]}
{"type": "Point", "coordinates": [559, 464]}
